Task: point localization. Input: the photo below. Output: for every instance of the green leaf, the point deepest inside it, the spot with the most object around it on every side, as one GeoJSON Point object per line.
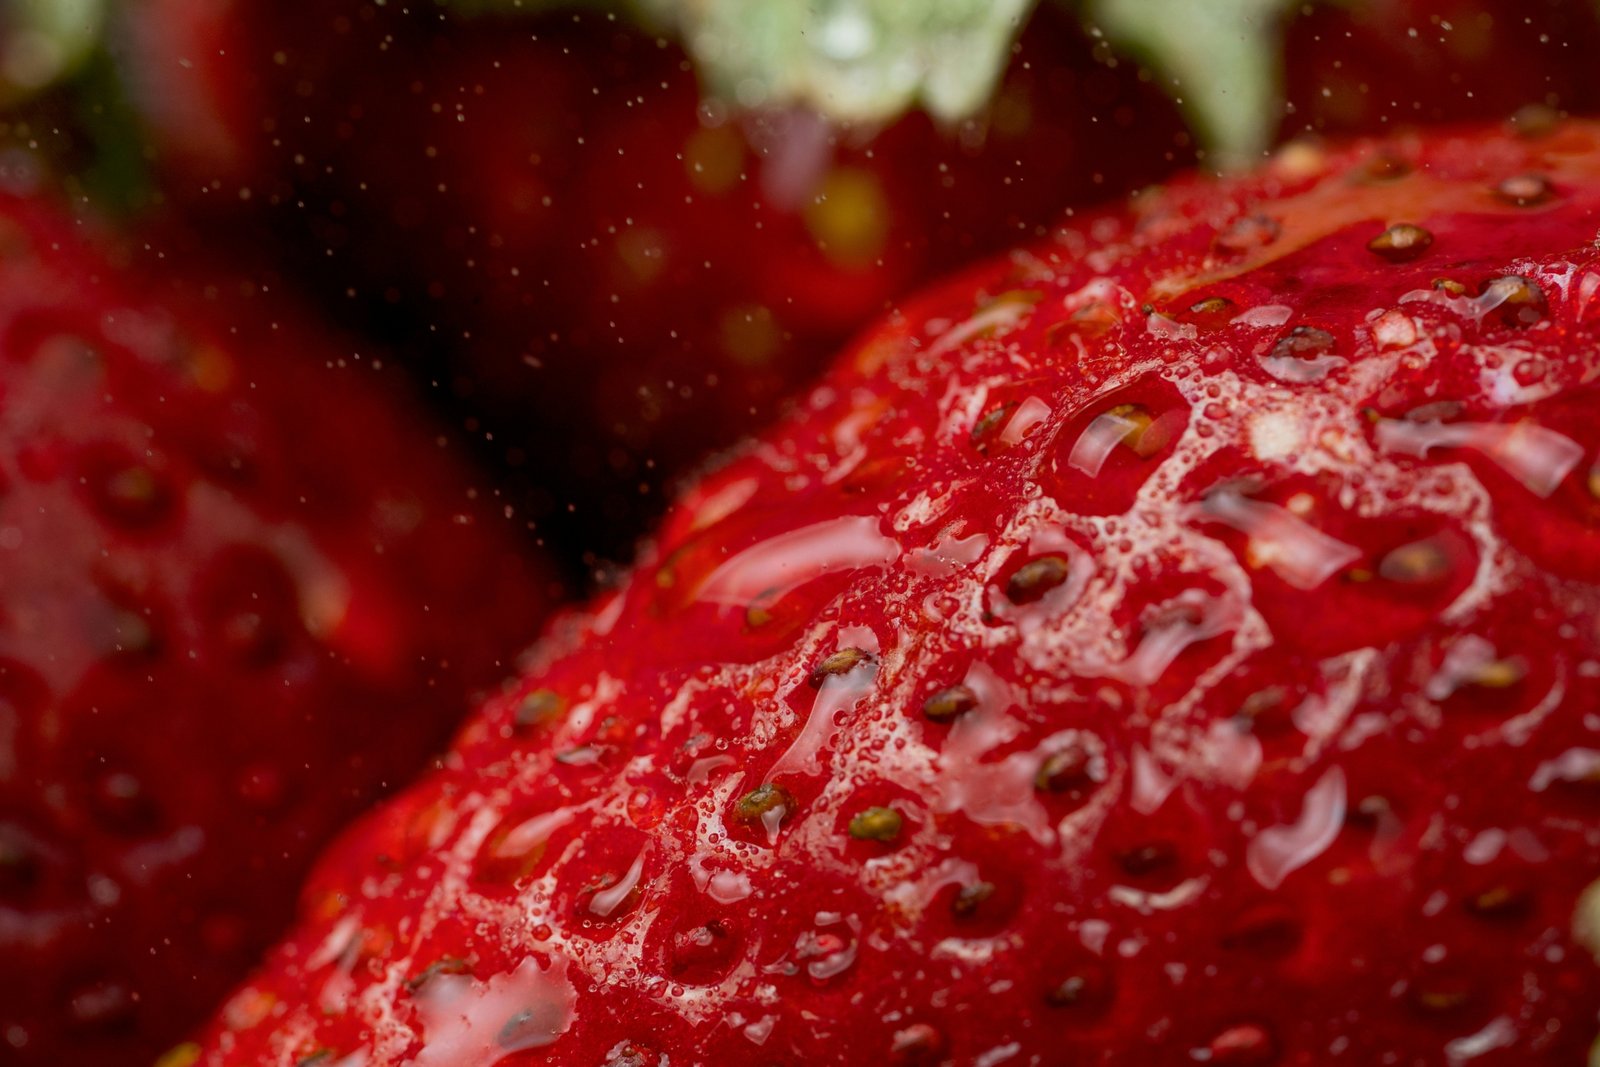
{"type": "Point", "coordinates": [44, 41]}
{"type": "Point", "coordinates": [1220, 58]}
{"type": "Point", "coordinates": [860, 60]}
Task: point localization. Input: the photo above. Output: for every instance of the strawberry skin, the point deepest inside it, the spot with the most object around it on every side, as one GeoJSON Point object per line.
{"type": "Point", "coordinates": [243, 590]}
{"type": "Point", "coordinates": [1177, 642]}
{"type": "Point", "coordinates": [621, 278]}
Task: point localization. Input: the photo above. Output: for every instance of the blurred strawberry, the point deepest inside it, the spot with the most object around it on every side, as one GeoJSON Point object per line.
{"type": "Point", "coordinates": [1364, 67]}
{"type": "Point", "coordinates": [242, 592]}
{"type": "Point", "coordinates": [623, 278]}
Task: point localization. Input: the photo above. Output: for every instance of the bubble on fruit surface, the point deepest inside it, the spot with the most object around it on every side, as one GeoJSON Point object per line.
{"type": "Point", "coordinates": [468, 1023]}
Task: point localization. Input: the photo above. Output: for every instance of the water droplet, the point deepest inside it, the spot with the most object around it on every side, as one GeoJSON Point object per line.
{"type": "Point", "coordinates": [1525, 190]}
{"type": "Point", "coordinates": [1304, 354]}
{"type": "Point", "coordinates": [775, 567]}
{"type": "Point", "coordinates": [467, 1023]}
{"type": "Point", "coordinates": [1279, 851]}
{"type": "Point", "coordinates": [1297, 552]}
{"type": "Point", "coordinates": [1401, 242]}
{"type": "Point", "coordinates": [1537, 457]}
{"type": "Point", "coordinates": [1247, 234]}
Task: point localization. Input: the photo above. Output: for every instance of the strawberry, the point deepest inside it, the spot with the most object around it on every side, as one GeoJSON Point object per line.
{"type": "Point", "coordinates": [1176, 642]}
{"type": "Point", "coordinates": [623, 278]}
{"type": "Point", "coordinates": [242, 591]}
{"type": "Point", "coordinates": [1365, 67]}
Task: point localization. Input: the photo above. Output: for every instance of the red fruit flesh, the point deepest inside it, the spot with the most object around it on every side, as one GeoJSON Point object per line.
{"type": "Point", "coordinates": [624, 279]}
{"type": "Point", "coordinates": [1232, 697]}
{"type": "Point", "coordinates": [236, 577]}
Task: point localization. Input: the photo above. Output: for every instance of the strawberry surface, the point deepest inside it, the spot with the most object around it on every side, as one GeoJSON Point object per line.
{"type": "Point", "coordinates": [620, 277]}
{"type": "Point", "coordinates": [243, 590]}
{"type": "Point", "coordinates": [1176, 642]}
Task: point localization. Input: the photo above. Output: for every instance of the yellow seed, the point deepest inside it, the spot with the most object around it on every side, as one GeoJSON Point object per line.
{"type": "Point", "coordinates": [184, 1055]}
{"type": "Point", "coordinates": [876, 824]}
{"type": "Point", "coordinates": [1139, 438]}
{"type": "Point", "coordinates": [1500, 674]}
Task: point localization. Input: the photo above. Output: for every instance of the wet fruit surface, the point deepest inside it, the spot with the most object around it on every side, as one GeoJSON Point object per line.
{"type": "Point", "coordinates": [233, 565]}
{"type": "Point", "coordinates": [1237, 701]}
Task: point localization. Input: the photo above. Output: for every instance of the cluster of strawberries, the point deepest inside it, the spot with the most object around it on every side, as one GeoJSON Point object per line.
{"type": "Point", "coordinates": [1173, 639]}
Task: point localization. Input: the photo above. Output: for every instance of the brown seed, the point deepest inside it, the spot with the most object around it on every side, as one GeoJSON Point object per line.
{"type": "Point", "coordinates": [949, 704]}
{"type": "Point", "coordinates": [1449, 285]}
{"type": "Point", "coordinates": [537, 708]}
{"type": "Point", "coordinates": [1440, 998]}
{"type": "Point", "coordinates": [876, 824]}
{"type": "Point", "coordinates": [992, 422]}
{"type": "Point", "coordinates": [1594, 481]}
{"type": "Point", "coordinates": [1247, 234]}
{"type": "Point", "coordinates": [970, 897]}
{"type": "Point", "coordinates": [917, 1044]}
{"type": "Point", "coordinates": [1031, 581]}
{"type": "Point", "coordinates": [1211, 307]}
{"type": "Point", "coordinates": [1525, 190]}
{"type": "Point", "coordinates": [1401, 242]}
{"type": "Point", "coordinates": [1419, 563]}
{"type": "Point", "coordinates": [1261, 705]}
{"type": "Point", "coordinates": [1500, 902]}
{"type": "Point", "coordinates": [1068, 770]}
{"type": "Point", "coordinates": [1498, 674]}
{"type": "Point", "coordinates": [841, 662]}
{"type": "Point", "coordinates": [753, 808]}
{"type": "Point", "coordinates": [1148, 859]}
{"type": "Point", "coordinates": [1139, 438]}
{"type": "Point", "coordinates": [1304, 342]}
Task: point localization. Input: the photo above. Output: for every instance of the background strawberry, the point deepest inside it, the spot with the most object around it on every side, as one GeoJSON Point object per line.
{"type": "Point", "coordinates": [243, 589]}
{"type": "Point", "coordinates": [615, 279]}
{"type": "Point", "coordinates": [1176, 642]}
{"type": "Point", "coordinates": [1362, 68]}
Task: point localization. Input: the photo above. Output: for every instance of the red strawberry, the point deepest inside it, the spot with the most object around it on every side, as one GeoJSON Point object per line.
{"type": "Point", "coordinates": [242, 591]}
{"type": "Point", "coordinates": [1176, 643]}
{"type": "Point", "coordinates": [624, 279]}
{"type": "Point", "coordinates": [1380, 64]}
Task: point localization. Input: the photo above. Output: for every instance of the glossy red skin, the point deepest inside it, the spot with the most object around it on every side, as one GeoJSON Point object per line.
{"type": "Point", "coordinates": [244, 592]}
{"type": "Point", "coordinates": [620, 280]}
{"type": "Point", "coordinates": [1307, 832]}
{"type": "Point", "coordinates": [1376, 65]}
